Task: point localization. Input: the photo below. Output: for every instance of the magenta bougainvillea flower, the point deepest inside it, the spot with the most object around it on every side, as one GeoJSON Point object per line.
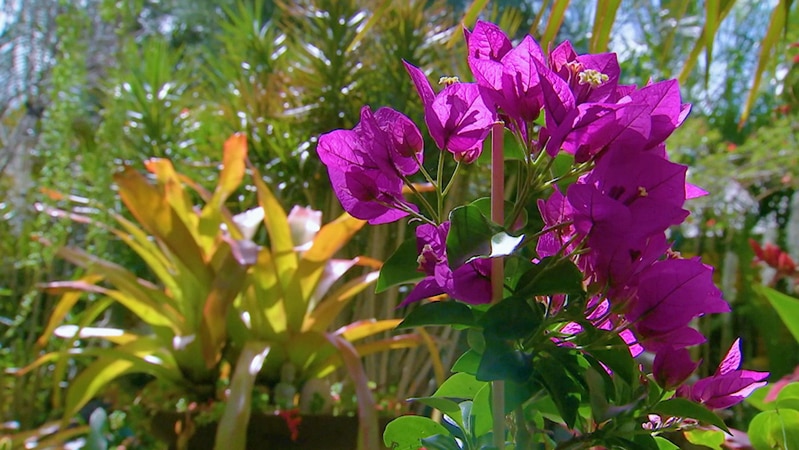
{"type": "Point", "coordinates": [609, 215]}
{"type": "Point", "coordinates": [591, 78]}
{"type": "Point", "coordinates": [509, 75]}
{"type": "Point", "coordinates": [458, 117]}
{"type": "Point", "coordinates": [671, 293]}
{"type": "Point", "coordinates": [673, 366]}
{"type": "Point", "coordinates": [728, 386]}
{"type": "Point", "coordinates": [469, 283]}
{"type": "Point", "coordinates": [367, 164]}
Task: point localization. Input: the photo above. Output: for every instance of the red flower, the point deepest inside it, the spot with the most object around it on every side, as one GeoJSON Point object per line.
{"type": "Point", "coordinates": [293, 420]}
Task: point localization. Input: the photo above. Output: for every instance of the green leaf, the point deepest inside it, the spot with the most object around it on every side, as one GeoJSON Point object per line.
{"type": "Point", "coordinates": [400, 267]}
{"type": "Point", "coordinates": [231, 433]}
{"type": "Point", "coordinates": [712, 21]}
{"type": "Point", "coordinates": [665, 444]}
{"type": "Point", "coordinates": [604, 17]}
{"type": "Point", "coordinates": [511, 318]}
{"type": "Point", "coordinates": [700, 42]}
{"type": "Point", "coordinates": [502, 361]}
{"type": "Point", "coordinates": [777, 25]}
{"type": "Point", "coordinates": [709, 438]}
{"type": "Point", "coordinates": [460, 386]}
{"type": "Point", "coordinates": [446, 312]}
{"type": "Point", "coordinates": [757, 398]}
{"type": "Point", "coordinates": [445, 405]}
{"type": "Point", "coordinates": [562, 389]}
{"type": "Point", "coordinates": [484, 203]}
{"type": "Point", "coordinates": [440, 442]}
{"type": "Point", "coordinates": [407, 432]}
{"type": "Point", "coordinates": [551, 276]}
{"type": "Point", "coordinates": [517, 394]}
{"type": "Point", "coordinates": [469, 235]}
{"type": "Point", "coordinates": [64, 307]}
{"type": "Point", "coordinates": [787, 308]}
{"type": "Point", "coordinates": [556, 15]}
{"type": "Point", "coordinates": [616, 355]}
{"type": "Point", "coordinates": [681, 407]}
{"type": "Point", "coordinates": [483, 419]}
{"type": "Point", "coordinates": [774, 429]}
{"type": "Point", "coordinates": [788, 398]}
{"type": "Point", "coordinates": [468, 362]}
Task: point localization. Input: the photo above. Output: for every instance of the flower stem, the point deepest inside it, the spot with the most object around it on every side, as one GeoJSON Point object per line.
{"type": "Point", "coordinates": [497, 269]}
{"type": "Point", "coordinates": [439, 189]}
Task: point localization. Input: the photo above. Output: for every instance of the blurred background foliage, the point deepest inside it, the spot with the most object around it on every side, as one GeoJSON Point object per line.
{"type": "Point", "coordinates": [90, 84]}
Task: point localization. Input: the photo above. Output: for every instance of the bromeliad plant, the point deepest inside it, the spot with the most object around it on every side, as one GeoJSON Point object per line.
{"type": "Point", "coordinates": [562, 287]}
{"type": "Point", "coordinates": [221, 302]}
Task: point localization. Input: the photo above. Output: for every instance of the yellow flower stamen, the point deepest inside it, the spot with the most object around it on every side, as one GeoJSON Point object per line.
{"type": "Point", "coordinates": [446, 81]}
{"type": "Point", "coordinates": [592, 77]}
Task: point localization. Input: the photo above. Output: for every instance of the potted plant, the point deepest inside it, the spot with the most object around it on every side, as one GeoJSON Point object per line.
{"type": "Point", "coordinates": [225, 313]}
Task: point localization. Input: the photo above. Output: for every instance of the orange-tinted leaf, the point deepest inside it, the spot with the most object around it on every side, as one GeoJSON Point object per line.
{"type": "Point", "coordinates": [63, 307]}
{"type": "Point", "coordinates": [365, 328]}
{"type": "Point", "coordinates": [409, 340]}
{"type": "Point", "coordinates": [230, 178]}
{"type": "Point", "coordinates": [330, 239]}
{"type": "Point", "coordinates": [367, 413]}
{"type": "Point", "coordinates": [435, 356]}
{"type": "Point", "coordinates": [171, 275]}
{"type": "Point", "coordinates": [276, 221]}
{"type": "Point", "coordinates": [333, 362]}
{"type": "Point", "coordinates": [141, 297]}
{"type": "Point", "coordinates": [333, 270]}
{"type": "Point", "coordinates": [329, 308]}
{"type": "Point", "coordinates": [226, 286]}
{"type": "Point", "coordinates": [231, 433]}
{"type": "Point", "coordinates": [142, 355]}
{"type": "Point", "coordinates": [264, 300]}
{"type": "Point", "coordinates": [152, 210]}
{"type": "Point", "coordinates": [169, 180]}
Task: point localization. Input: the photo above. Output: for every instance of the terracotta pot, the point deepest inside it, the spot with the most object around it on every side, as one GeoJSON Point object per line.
{"type": "Point", "coordinates": [269, 432]}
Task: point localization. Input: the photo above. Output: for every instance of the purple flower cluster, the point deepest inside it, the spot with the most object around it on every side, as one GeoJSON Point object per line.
{"type": "Point", "coordinates": [367, 165]}
{"type": "Point", "coordinates": [612, 221]}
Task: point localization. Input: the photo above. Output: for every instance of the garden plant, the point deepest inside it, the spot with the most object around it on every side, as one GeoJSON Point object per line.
{"type": "Point", "coordinates": [562, 278]}
{"type": "Point", "coordinates": [231, 313]}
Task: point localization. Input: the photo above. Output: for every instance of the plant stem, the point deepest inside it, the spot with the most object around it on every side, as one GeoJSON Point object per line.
{"type": "Point", "coordinates": [497, 270]}
{"type": "Point", "coordinates": [522, 433]}
{"type": "Point", "coordinates": [439, 187]}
